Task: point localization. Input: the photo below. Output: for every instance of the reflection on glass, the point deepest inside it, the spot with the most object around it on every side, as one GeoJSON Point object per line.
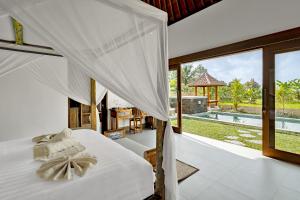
{"type": "Point", "coordinates": [287, 101]}
{"type": "Point", "coordinates": [236, 119]}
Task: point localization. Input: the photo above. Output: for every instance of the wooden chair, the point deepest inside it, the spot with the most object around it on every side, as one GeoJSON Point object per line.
{"type": "Point", "coordinates": [136, 121]}
{"type": "Point", "coordinates": [150, 122]}
{"type": "Point", "coordinates": [150, 156]}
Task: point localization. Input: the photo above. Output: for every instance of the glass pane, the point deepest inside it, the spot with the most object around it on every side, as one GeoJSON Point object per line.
{"type": "Point", "coordinates": [287, 101]}
{"type": "Point", "coordinates": [222, 98]}
{"type": "Point", "coordinates": [173, 97]}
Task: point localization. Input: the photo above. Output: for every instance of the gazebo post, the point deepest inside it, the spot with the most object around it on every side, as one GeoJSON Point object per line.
{"type": "Point", "coordinates": [196, 92]}
{"type": "Point", "coordinates": [204, 91]}
{"type": "Point", "coordinates": [208, 96]}
{"type": "Point", "coordinates": [216, 95]}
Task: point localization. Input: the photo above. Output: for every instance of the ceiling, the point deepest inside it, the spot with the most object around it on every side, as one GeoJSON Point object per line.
{"type": "Point", "coordinates": [180, 9]}
{"type": "Point", "coordinates": [231, 21]}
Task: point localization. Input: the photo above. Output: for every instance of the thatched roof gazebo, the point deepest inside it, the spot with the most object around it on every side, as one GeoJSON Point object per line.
{"type": "Point", "coordinates": [207, 81]}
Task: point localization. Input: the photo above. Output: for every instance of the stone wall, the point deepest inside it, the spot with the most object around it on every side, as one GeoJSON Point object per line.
{"type": "Point", "coordinates": [191, 104]}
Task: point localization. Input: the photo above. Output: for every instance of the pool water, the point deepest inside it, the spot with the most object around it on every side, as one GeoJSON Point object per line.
{"type": "Point", "coordinates": [289, 124]}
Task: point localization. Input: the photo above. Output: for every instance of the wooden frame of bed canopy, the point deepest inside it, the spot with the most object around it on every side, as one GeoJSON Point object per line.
{"type": "Point", "coordinates": [38, 49]}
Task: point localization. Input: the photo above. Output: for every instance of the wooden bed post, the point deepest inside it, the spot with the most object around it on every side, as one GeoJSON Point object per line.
{"type": "Point", "coordinates": [160, 176]}
{"type": "Point", "coordinates": [93, 105]}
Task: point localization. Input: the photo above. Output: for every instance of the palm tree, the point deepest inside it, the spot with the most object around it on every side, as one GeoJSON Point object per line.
{"type": "Point", "coordinates": [189, 73]}
{"type": "Point", "coordinates": [296, 87]}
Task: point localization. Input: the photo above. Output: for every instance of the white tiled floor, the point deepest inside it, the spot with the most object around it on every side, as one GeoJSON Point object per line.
{"type": "Point", "coordinates": [230, 172]}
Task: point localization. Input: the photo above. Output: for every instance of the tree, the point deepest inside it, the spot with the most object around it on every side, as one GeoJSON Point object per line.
{"type": "Point", "coordinates": [189, 73]}
{"type": "Point", "coordinates": [172, 82]}
{"type": "Point", "coordinates": [224, 93]}
{"type": "Point", "coordinates": [296, 88]}
{"type": "Point", "coordinates": [236, 89]}
{"type": "Point", "coordinates": [252, 91]}
{"type": "Point", "coordinates": [173, 87]}
{"type": "Point", "coordinates": [283, 93]}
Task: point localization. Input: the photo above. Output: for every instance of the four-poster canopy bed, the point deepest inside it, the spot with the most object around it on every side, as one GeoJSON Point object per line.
{"type": "Point", "coordinates": [116, 43]}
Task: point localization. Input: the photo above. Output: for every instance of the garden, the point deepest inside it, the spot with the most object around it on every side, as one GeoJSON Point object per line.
{"type": "Point", "coordinates": [239, 99]}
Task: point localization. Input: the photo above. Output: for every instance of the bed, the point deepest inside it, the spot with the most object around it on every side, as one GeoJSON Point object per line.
{"type": "Point", "coordinates": [119, 173]}
{"type": "Point", "coordinates": [119, 136]}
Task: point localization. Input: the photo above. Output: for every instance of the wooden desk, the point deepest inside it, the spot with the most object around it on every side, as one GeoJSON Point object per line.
{"type": "Point", "coordinates": [119, 114]}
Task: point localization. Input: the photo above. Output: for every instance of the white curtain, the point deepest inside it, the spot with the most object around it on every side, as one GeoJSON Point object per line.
{"type": "Point", "coordinates": [11, 61]}
{"type": "Point", "coordinates": [53, 72]}
{"type": "Point", "coordinates": [121, 44]}
{"type": "Point", "coordinates": [65, 78]}
{"type": "Point", "coordinates": [114, 101]}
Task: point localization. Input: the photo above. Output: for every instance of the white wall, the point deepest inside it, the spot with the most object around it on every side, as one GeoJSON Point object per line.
{"type": "Point", "coordinates": [28, 108]}
{"type": "Point", "coordinates": [232, 21]}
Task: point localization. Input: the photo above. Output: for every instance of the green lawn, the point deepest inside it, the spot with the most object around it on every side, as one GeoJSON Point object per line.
{"type": "Point", "coordinates": [258, 104]}
{"type": "Point", "coordinates": [219, 131]}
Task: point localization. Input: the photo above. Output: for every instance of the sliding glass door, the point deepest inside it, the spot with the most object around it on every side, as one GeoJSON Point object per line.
{"type": "Point", "coordinates": [281, 106]}
{"type": "Point", "coordinates": [175, 97]}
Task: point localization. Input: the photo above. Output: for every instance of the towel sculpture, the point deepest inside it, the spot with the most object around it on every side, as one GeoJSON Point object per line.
{"type": "Point", "coordinates": [62, 168]}
{"type": "Point", "coordinates": [62, 154]}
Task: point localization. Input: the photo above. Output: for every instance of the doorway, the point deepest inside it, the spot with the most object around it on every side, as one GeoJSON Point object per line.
{"type": "Point", "coordinates": [281, 102]}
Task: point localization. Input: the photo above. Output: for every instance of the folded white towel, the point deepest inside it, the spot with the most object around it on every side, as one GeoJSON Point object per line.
{"type": "Point", "coordinates": [53, 137]}
{"type": "Point", "coordinates": [66, 133]}
{"type": "Point", "coordinates": [50, 150]}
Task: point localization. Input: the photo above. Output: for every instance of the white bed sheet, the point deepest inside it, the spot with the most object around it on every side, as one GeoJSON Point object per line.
{"type": "Point", "coordinates": [119, 174]}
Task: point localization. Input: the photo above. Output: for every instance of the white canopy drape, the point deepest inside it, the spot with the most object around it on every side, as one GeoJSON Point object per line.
{"type": "Point", "coordinates": [114, 101]}
{"type": "Point", "coordinates": [11, 61]}
{"type": "Point", "coordinates": [53, 72]}
{"type": "Point", "coordinates": [121, 44]}
{"type": "Point", "coordinates": [65, 78]}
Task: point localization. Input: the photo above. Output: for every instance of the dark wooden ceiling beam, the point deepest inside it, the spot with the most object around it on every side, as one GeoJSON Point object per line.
{"type": "Point", "coordinates": [170, 11]}
{"type": "Point", "coordinates": [179, 9]}
{"type": "Point", "coordinates": [157, 4]}
{"type": "Point", "coordinates": [164, 5]}
{"type": "Point", "coordinates": [183, 8]}
{"type": "Point", "coordinates": [176, 10]}
{"type": "Point", "coordinates": [191, 6]}
{"type": "Point", "coordinates": [199, 4]}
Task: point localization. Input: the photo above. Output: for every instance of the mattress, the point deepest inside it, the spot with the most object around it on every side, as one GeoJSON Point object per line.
{"type": "Point", "coordinates": [120, 174]}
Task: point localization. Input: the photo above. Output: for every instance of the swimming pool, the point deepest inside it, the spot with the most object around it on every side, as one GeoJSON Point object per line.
{"type": "Point", "coordinates": [289, 124]}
